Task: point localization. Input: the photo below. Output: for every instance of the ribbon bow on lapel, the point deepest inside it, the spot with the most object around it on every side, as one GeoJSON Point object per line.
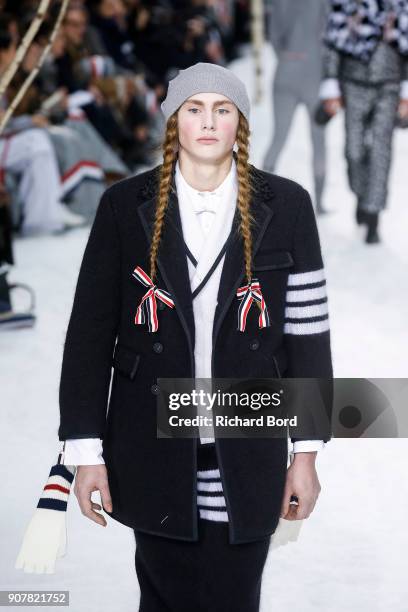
{"type": "Point", "coordinates": [247, 294]}
{"type": "Point", "coordinates": [148, 305]}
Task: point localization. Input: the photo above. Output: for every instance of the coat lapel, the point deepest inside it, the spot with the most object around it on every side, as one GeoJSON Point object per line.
{"type": "Point", "coordinates": [172, 260]}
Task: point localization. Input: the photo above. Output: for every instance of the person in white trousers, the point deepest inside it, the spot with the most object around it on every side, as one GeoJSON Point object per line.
{"type": "Point", "coordinates": [30, 156]}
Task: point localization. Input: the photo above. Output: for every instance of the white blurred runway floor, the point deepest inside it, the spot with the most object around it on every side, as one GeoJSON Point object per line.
{"type": "Point", "coordinates": [350, 555]}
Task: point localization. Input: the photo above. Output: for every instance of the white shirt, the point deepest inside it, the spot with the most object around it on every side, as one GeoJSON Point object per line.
{"type": "Point", "coordinates": [205, 232]}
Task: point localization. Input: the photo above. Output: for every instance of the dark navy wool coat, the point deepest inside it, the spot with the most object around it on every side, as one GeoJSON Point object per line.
{"type": "Point", "coordinates": [153, 480]}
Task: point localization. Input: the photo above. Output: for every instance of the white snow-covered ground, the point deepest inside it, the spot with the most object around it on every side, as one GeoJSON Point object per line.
{"type": "Point", "coordinates": [351, 551]}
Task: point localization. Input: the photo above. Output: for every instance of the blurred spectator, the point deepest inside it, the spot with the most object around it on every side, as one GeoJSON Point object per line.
{"type": "Point", "coordinates": [27, 152]}
{"type": "Point", "coordinates": [110, 20]}
{"type": "Point", "coordinates": [295, 29]}
{"type": "Point", "coordinates": [366, 72]}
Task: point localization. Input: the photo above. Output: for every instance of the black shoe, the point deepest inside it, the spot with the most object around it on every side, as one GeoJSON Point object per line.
{"type": "Point", "coordinates": [9, 318]}
{"type": "Point", "coordinates": [372, 236]}
{"type": "Point", "coordinates": [16, 320]}
{"type": "Point", "coordinates": [361, 215]}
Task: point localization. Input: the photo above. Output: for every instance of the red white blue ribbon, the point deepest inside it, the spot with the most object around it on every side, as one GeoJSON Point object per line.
{"type": "Point", "coordinates": [148, 306]}
{"type": "Point", "coordinates": [247, 294]}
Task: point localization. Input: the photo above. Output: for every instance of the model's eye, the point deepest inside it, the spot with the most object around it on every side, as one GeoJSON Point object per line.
{"type": "Point", "coordinates": [223, 110]}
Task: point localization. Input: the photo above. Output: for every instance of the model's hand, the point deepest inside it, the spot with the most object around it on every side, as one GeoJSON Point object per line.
{"type": "Point", "coordinates": [91, 478]}
{"type": "Point", "coordinates": [302, 481]}
{"type": "Point", "coordinates": [403, 108]}
{"type": "Point", "coordinates": [332, 105]}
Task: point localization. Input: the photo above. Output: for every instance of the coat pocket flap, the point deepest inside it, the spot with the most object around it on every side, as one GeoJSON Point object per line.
{"type": "Point", "coordinates": [125, 360]}
{"type": "Point", "coordinates": [272, 260]}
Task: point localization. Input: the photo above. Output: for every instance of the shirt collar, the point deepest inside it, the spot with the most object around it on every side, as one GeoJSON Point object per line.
{"type": "Point", "coordinates": [220, 191]}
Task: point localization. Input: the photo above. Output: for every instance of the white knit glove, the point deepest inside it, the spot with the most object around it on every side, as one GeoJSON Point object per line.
{"type": "Point", "coordinates": [45, 539]}
{"type": "Point", "coordinates": [286, 531]}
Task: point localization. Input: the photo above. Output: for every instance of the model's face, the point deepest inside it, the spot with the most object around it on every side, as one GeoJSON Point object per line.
{"type": "Point", "coordinates": [207, 126]}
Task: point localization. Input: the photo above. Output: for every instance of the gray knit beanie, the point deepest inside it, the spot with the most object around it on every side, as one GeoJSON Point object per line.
{"type": "Point", "coordinates": [205, 78]}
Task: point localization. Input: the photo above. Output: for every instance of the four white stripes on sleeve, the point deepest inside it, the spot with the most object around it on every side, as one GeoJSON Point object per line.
{"type": "Point", "coordinates": [306, 309]}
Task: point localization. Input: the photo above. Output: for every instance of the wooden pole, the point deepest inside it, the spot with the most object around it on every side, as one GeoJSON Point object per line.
{"type": "Point", "coordinates": [257, 40]}
{"type": "Point", "coordinates": [18, 97]}
{"type": "Point", "coordinates": [24, 45]}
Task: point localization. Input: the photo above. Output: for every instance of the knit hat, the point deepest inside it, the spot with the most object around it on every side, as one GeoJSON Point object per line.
{"type": "Point", "coordinates": [204, 77]}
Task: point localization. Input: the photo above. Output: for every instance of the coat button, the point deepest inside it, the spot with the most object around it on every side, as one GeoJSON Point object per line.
{"type": "Point", "coordinates": [157, 347]}
{"type": "Point", "coordinates": [155, 389]}
{"type": "Point", "coordinates": [254, 344]}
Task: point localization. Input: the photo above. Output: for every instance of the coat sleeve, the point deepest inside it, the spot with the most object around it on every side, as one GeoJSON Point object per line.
{"type": "Point", "coordinates": [404, 77]}
{"type": "Point", "coordinates": [307, 328]}
{"type": "Point", "coordinates": [335, 26]}
{"type": "Point", "coordinates": [92, 331]}
{"type": "Point", "coordinates": [329, 86]}
{"type": "Point", "coordinates": [331, 63]}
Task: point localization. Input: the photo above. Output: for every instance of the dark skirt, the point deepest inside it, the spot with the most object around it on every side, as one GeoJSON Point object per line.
{"type": "Point", "coordinates": [209, 575]}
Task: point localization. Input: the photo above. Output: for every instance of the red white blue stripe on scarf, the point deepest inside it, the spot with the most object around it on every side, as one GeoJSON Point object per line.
{"type": "Point", "coordinates": [248, 294]}
{"type": "Point", "coordinates": [147, 308]}
{"type": "Point", "coordinates": [56, 491]}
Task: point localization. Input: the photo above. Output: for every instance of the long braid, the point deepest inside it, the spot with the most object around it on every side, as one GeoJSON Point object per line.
{"type": "Point", "coordinates": [169, 157]}
{"type": "Point", "coordinates": [170, 145]}
{"type": "Point", "coordinates": [245, 187]}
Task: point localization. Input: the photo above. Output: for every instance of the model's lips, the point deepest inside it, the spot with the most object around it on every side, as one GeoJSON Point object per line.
{"type": "Point", "coordinates": [208, 140]}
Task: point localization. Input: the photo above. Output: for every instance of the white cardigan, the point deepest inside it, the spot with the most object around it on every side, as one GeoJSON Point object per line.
{"type": "Point", "coordinates": [205, 246]}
